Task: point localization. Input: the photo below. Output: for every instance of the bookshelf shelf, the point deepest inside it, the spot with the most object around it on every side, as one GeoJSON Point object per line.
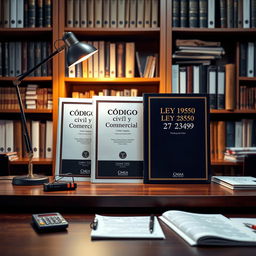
{"type": "Point", "coordinates": [215, 30]}
{"type": "Point", "coordinates": [114, 31]}
{"type": "Point", "coordinates": [28, 79]}
{"type": "Point", "coordinates": [225, 163]}
{"type": "Point", "coordinates": [27, 111]}
{"type": "Point", "coordinates": [233, 112]}
{"type": "Point", "coordinates": [131, 81]}
{"type": "Point", "coordinates": [14, 32]}
{"type": "Point", "coordinates": [243, 79]}
{"type": "Point", "coordinates": [41, 161]}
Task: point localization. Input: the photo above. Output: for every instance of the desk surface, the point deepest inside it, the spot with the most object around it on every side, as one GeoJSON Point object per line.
{"type": "Point", "coordinates": [133, 196]}
{"type": "Point", "coordinates": [19, 238]}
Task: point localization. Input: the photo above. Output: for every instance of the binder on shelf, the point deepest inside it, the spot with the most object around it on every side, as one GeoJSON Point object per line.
{"type": "Point", "coordinates": [83, 13]}
{"type": "Point", "coordinates": [230, 14]}
{"type": "Point", "coordinates": [12, 59]}
{"type": "Point", "coordinates": [220, 87]}
{"type": "Point", "coordinates": [183, 79]}
{"type": "Point", "coordinates": [133, 13]}
{"type": "Point", "coordinates": [113, 13]}
{"type": "Point", "coordinates": [175, 78]}
{"type": "Point", "coordinates": [13, 13]}
{"type": "Point", "coordinates": [18, 58]}
{"type": "Point", "coordinates": [42, 140]}
{"type": "Point", "coordinates": [120, 13]}
{"type": "Point", "coordinates": [2, 136]}
{"type": "Point", "coordinates": [48, 139]}
{"type": "Point", "coordinates": [98, 13]}
{"type": "Point", "coordinates": [112, 56]}
{"type": "Point", "coordinates": [90, 7]}
{"type": "Point", "coordinates": [196, 79]}
{"type": "Point", "coordinates": [76, 13]}
{"type": "Point", "coordinates": [6, 13]}
{"type": "Point", "coordinates": [140, 13]}
{"type": "Point", "coordinates": [211, 13]}
{"type": "Point", "coordinates": [127, 14]}
{"type": "Point", "coordinates": [250, 59]}
{"type": "Point", "coordinates": [129, 59]}
{"type": "Point", "coordinates": [101, 59]}
{"type": "Point", "coordinates": [246, 14]}
{"type": "Point", "coordinates": [20, 14]}
{"type": "Point", "coordinates": [106, 13]}
{"type": "Point", "coordinates": [95, 60]}
{"type": "Point", "coordinates": [147, 15]}
{"type": "Point", "coordinates": [212, 87]}
{"type": "Point", "coordinates": [70, 13]}
{"type": "Point", "coordinates": [35, 138]}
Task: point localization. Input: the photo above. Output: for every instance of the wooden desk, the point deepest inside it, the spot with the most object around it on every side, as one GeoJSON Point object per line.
{"type": "Point", "coordinates": [19, 238]}
{"type": "Point", "coordinates": [146, 197]}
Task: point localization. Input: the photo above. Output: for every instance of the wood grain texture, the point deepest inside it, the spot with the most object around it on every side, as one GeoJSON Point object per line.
{"type": "Point", "coordinates": [151, 197]}
{"type": "Point", "coordinates": [19, 238]}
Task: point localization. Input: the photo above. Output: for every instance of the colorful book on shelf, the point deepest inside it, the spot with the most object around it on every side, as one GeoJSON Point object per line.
{"type": "Point", "coordinates": [204, 229]}
{"type": "Point", "coordinates": [236, 182]}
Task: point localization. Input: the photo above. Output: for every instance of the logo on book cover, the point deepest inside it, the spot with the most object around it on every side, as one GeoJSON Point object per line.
{"type": "Point", "coordinates": [178, 175]}
{"type": "Point", "coordinates": [122, 155]}
{"type": "Point", "coordinates": [85, 154]}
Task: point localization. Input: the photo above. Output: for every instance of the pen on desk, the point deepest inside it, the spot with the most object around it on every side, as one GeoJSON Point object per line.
{"type": "Point", "coordinates": [250, 225]}
{"type": "Point", "coordinates": [151, 223]}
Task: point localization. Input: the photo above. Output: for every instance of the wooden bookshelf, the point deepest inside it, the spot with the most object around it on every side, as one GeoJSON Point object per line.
{"type": "Point", "coordinates": [36, 161]}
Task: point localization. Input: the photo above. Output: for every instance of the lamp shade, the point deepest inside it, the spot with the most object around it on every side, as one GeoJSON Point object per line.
{"type": "Point", "coordinates": [77, 51]}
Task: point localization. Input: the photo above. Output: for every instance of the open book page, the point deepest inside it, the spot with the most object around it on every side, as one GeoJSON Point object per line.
{"type": "Point", "coordinates": [240, 223]}
{"type": "Point", "coordinates": [206, 229]}
{"type": "Point", "coordinates": [126, 227]}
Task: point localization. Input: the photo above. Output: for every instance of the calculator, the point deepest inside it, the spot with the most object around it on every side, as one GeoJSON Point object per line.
{"type": "Point", "coordinates": [49, 221]}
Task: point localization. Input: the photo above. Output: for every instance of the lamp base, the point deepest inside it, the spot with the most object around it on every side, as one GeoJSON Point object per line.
{"type": "Point", "coordinates": [30, 181]}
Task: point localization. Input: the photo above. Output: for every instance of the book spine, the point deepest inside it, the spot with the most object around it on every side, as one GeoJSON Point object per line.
{"type": "Point", "coordinates": [120, 59]}
{"type": "Point", "coordinates": [230, 86]}
{"type": "Point", "coordinates": [212, 87]}
{"type": "Point", "coordinates": [98, 13]}
{"type": "Point", "coordinates": [140, 13]}
{"type": "Point", "coordinates": [69, 13]}
{"type": "Point", "coordinates": [106, 13]}
{"type": "Point", "coordinates": [127, 14]}
{"type": "Point", "coordinates": [113, 13]}
{"type": "Point", "coordinates": [120, 13]}
{"type": "Point", "coordinates": [253, 13]}
{"type": "Point", "coordinates": [250, 59]}
{"type": "Point", "coordinates": [130, 60]}
{"type": "Point", "coordinates": [246, 14]}
{"type": "Point", "coordinates": [220, 87]}
{"type": "Point", "coordinates": [175, 13]}
{"type": "Point", "coordinates": [175, 78]}
{"type": "Point", "coordinates": [154, 14]}
{"type": "Point", "coordinates": [184, 13]}
{"type": "Point", "coordinates": [6, 12]}
{"type": "Point", "coordinates": [221, 133]}
{"type": "Point", "coordinates": [147, 15]}
{"type": "Point", "coordinates": [13, 13]}
{"type": "Point", "coordinates": [230, 13]}
{"type": "Point", "coordinates": [48, 144]}
{"type": "Point", "coordinates": [90, 7]}
{"type": "Point", "coordinates": [133, 14]}
{"type": "Point", "coordinates": [223, 13]}
{"type": "Point", "coordinates": [243, 59]}
{"type": "Point", "coordinates": [76, 13]}
{"type": "Point", "coordinates": [20, 13]}
{"type": "Point", "coordinates": [211, 13]}
{"type": "Point", "coordinates": [240, 14]}
{"type": "Point", "coordinates": [101, 59]}
{"type": "Point", "coordinates": [83, 13]}
{"type": "Point", "coordinates": [39, 13]}
{"type": "Point", "coordinates": [47, 13]}
{"type": "Point", "coordinates": [31, 13]}
{"type": "Point", "coordinates": [193, 13]}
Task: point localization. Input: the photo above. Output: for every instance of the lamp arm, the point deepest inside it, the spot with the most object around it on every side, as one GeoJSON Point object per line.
{"type": "Point", "coordinates": [16, 83]}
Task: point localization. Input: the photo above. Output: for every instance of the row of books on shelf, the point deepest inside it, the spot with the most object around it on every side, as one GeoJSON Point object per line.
{"type": "Point", "coordinates": [213, 14]}
{"type": "Point", "coordinates": [112, 13]}
{"type": "Point", "coordinates": [247, 59]}
{"type": "Point", "coordinates": [24, 13]}
{"type": "Point", "coordinates": [247, 97]}
{"type": "Point", "coordinates": [231, 134]}
{"type": "Point", "coordinates": [106, 92]}
{"type": "Point", "coordinates": [238, 154]}
{"type": "Point", "coordinates": [116, 60]}
{"type": "Point", "coordinates": [18, 57]}
{"type": "Point", "coordinates": [33, 97]}
{"type": "Point", "coordinates": [11, 138]}
{"type": "Point", "coordinates": [217, 81]}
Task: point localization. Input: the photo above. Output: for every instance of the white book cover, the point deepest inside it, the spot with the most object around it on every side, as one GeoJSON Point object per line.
{"type": "Point", "coordinates": [20, 14]}
{"type": "Point", "coordinates": [147, 16]}
{"type": "Point", "coordinates": [106, 13]}
{"type": "Point", "coordinates": [175, 78]}
{"type": "Point", "coordinates": [133, 13]}
{"type": "Point", "coordinates": [120, 13]}
{"type": "Point", "coordinates": [9, 136]}
{"type": "Point", "coordinates": [117, 140]}
{"type": "Point", "coordinates": [238, 134]}
{"type": "Point", "coordinates": [35, 137]}
{"type": "Point", "coordinates": [13, 13]}
{"type": "Point", "coordinates": [211, 13]}
{"type": "Point", "coordinates": [73, 154]}
{"type": "Point", "coordinates": [70, 13]}
{"type": "Point", "coordinates": [83, 13]}
{"type": "Point", "coordinates": [72, 71]}
{"type": "Point", "coordinates": [250, 59]}
{"type": "Point", "coordinates": [246, 14]}
{"type": "Point", "coordinates": [196, 79]}
{"type": "Point", "coordinates": [154, 15]}
{"type": "Point", "coordinates": [98, 13]}
{"type": "Point", "coordinates": [2, 136]}
{"type": "Point", "coordinates": [113, 13]}
{"type": "Point", "coordinates": [48, 139]}
{"type": "Point", "coordinates": [140, 13]}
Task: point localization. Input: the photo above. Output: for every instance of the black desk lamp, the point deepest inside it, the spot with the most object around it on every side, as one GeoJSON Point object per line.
{"type": "Point", "coordinates": [76, 52]}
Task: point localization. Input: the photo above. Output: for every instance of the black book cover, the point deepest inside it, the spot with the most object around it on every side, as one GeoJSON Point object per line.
{"type": "Point", "coordinates": [203, 13]}
{"type": "Point", "coordinates": [176, 138]}
{"type": "Point", "coordinates": [176, 13]}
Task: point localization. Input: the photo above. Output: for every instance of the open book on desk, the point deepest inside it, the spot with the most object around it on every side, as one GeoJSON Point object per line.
{"type": "Point", "coordinates": [208, 229]}
{"type": "Point", "coordinates": [138, 227]}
